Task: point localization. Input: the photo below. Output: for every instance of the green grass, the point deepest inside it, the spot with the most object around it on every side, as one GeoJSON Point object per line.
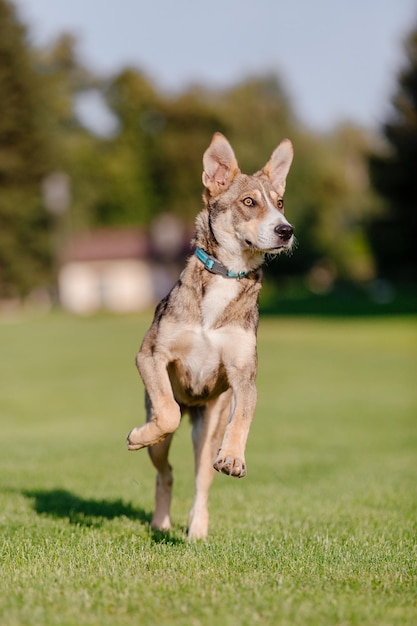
{"type": "Point", "coordinates": [321, 532]}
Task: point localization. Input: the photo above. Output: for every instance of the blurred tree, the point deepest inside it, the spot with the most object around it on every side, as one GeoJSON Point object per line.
{"type": "Point", "coordinates": [328, 200]}
{"type": "Point", "coordinates": [189, 122]}
{"type": "Point", "coordinates": [127, 193]}
{"type": "Point", "coordinates": [257, 114]}
{"type": "Point", "coordinates": [63, 77]}
{"type": "Point", "coordinates": [24, 159]}
{"type": "Point", "coordinates": [75, 150]}
{"type": "Point", "coordinates": [153, 165]}
{"type": "Point", "coordinates": [328, 196]}
{"type": "Point", "coordinates": [393, 172]}
{"type": "Point", "coordinates": [344, 200]}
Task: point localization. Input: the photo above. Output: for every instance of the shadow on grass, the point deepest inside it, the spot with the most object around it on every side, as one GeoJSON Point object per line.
{"type": "Point", "coordinates": [62, 504]}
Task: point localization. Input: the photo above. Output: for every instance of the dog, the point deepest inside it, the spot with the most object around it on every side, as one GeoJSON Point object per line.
{"type": "Point", "coordinates": [199, 355]}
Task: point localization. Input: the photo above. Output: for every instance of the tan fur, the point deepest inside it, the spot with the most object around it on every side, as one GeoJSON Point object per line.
{"type": "Point", "coordinates": [199, 354]}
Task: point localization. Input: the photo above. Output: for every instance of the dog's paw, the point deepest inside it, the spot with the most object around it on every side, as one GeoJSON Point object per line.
{"type": "Point", "coordinates": [230, 465]}
{"type": "Point", "coordinates": [198, 528]}
{"type": "Point", "coordinates": [162, 524]}
{"type": "Point", "coordinates": [133, 440]}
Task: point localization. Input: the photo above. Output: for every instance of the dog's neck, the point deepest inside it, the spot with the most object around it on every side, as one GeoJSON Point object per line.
{"type": "Point", "coordinates": [232, 256]}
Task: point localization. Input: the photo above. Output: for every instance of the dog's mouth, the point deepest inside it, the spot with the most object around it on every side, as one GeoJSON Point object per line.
{"type": "Point", "coordinates": [274, 250]}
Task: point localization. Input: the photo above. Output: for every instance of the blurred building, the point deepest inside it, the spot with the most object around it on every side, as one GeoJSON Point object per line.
{"type": "Point", "coordinates": [121, 270]}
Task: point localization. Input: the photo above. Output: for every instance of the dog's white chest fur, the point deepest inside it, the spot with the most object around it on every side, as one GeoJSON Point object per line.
{"type": "Point", "coordinates": [205, 354]}
{"type": "Point", "coordinates": [220, 294]}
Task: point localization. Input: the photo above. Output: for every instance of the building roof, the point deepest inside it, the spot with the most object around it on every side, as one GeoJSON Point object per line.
{"type": "Point", "coordinates": [106, 244]}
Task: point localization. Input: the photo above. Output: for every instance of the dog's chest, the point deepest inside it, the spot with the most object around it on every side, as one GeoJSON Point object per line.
{"type": "Point", "coordinates": [220, 293]}
{"type": "Point", "coordinates": [202, 351]}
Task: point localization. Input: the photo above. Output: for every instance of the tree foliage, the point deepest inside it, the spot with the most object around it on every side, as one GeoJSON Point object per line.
{"type": "Point", "coordinates": [394, 234]}
{"type": "Point", "coordinates": [151, 163]}
{"type": "Point", "coordinates": [39, 134]}
{"type": "Point", "coordinates": [24, 159]}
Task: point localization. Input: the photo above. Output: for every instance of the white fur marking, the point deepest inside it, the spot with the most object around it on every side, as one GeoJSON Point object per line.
{"type": "Point", "coordinates": [220, 293]}
{"type": "Point", "coordinates": [274, 218]}
{"type": "Point", "coordinates": [232, 347]}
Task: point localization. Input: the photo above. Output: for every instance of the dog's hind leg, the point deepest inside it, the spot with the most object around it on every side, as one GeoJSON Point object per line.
{"type": "Point", "coordinates": [209, 423]}
{"type": "Point", "coordinates": [159, 456]}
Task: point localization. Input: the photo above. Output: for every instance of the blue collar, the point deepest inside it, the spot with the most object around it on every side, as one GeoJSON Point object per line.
{"type": "Point", "coordinates": [215, 267]}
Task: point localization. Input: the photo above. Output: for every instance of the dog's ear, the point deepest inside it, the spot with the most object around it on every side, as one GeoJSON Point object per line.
{"type": "Point", "coordinates": [279, 165]}
{"type": "Point", "coordinates": [219, 165]}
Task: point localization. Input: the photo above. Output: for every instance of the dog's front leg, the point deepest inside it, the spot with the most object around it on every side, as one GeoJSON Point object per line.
{"type": "Point", "coordinates": [231, 456]}
{"type": "Point", "coordinates": [166, 414]}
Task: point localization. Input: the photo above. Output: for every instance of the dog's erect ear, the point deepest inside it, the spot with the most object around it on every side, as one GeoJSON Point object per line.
{"type": "Point", "coordinates": [279, 165]}
{"type": "Point", "coordinates": [219, 164]}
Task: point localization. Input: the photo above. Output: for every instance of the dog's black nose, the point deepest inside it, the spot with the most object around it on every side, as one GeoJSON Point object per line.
{"type": "Point", "coordinates": [284, 231]}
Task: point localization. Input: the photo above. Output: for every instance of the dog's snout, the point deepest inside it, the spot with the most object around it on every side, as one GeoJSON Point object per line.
{"type": "Point", "coordinates": [284, 231]}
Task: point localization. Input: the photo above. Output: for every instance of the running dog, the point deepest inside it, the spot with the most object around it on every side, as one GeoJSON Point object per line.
{"type": "Point", "coordinates": [199, 355]}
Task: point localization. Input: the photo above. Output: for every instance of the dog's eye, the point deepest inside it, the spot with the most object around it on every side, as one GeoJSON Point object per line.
{"type": "Point", "coordinates": [280, 204]}
{"type": "Point", "coordinates": [249, 201]}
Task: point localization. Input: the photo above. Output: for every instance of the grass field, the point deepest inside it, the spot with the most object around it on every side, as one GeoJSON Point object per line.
{"type": "Point", "coordinates": [322, 531]}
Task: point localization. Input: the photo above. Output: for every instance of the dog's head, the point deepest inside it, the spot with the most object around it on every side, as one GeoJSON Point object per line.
{"type": "Point", "coordinates": [247, 212]}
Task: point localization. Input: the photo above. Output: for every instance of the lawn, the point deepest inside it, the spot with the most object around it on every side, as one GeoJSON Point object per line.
{"type": "Point", "coordinates": [321, 532]}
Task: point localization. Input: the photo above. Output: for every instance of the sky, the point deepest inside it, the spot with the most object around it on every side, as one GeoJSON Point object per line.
{"type": "Point", "coordinates": [338, 59]}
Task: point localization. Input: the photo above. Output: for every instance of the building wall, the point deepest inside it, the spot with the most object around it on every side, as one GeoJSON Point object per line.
{"type": "Point", "coordinates": [120, 286]}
